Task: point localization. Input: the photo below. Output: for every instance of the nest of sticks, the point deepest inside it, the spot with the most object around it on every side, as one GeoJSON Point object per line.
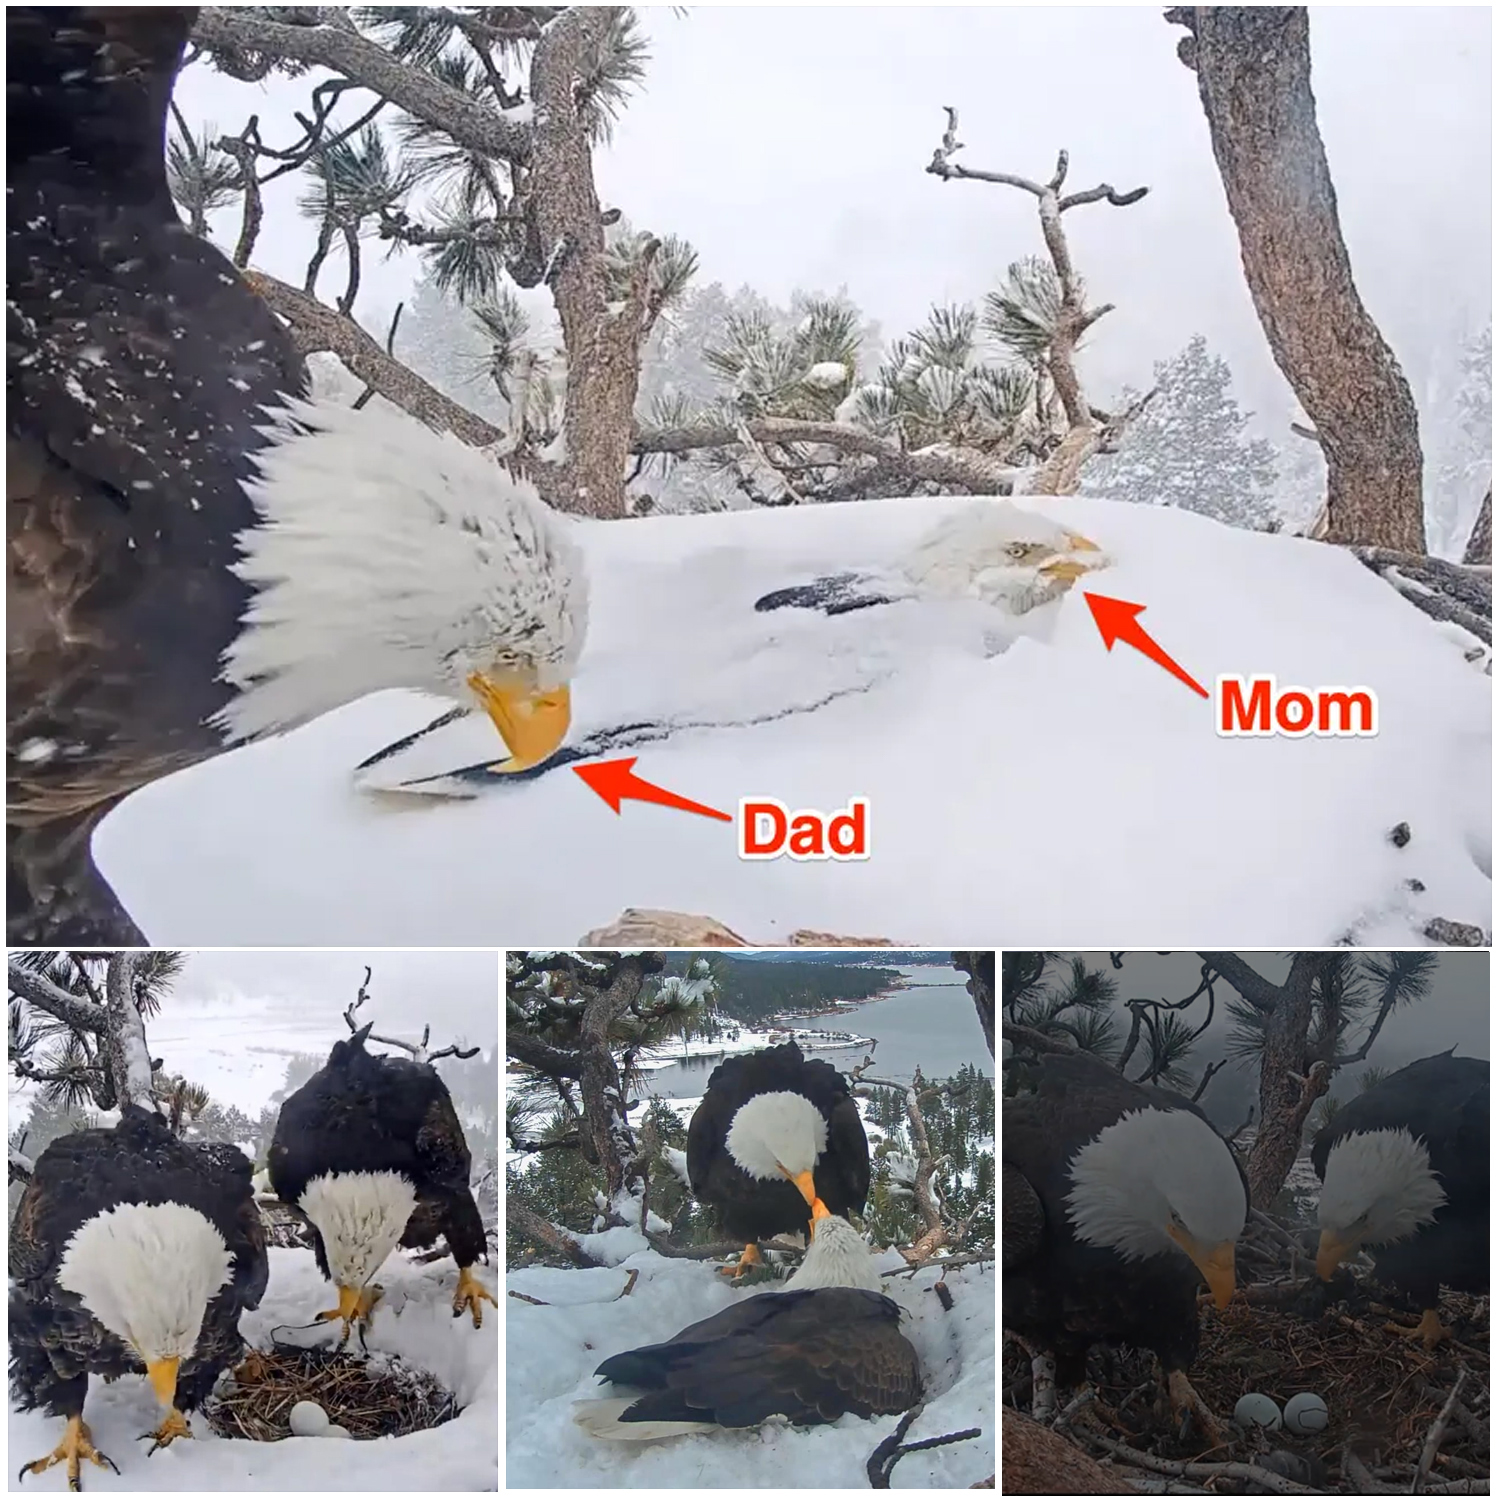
{"type": "Point", "coordinates": [389, 1400]}
{"type": "Point", "coordinates": [1402, 1419]}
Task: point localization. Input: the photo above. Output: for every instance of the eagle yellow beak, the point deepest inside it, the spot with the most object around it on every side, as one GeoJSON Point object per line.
{"type": "Point", "coordinates": [162, 1373]}
{"type": "Point", "coordinates": [803, 1182]}
{"type": "Point", "coordinates": [1332, 1251]}
{"type": "Point", "coordinates": [532, 724]}
{"type": "Point", "coordinates": [1067, 568]}
{"type": "Point", "coordinates": [820, 1210]}
{"type": "Point", "coordinates": [1217, 1263]}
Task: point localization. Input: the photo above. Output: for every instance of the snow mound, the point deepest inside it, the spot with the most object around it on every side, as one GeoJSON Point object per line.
{"type": "Point", "coordinates": [1025, 787]}
{"type": "Point", "coordinates": [552, 1352]}
{"type": "Point", "coordinates": [414, 1323]}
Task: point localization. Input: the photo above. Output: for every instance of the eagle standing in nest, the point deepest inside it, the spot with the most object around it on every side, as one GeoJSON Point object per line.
{"type": "Point", "coordinates": [775, 1134]}
{"type": "Point", "coordinates": [371, 1152]}
{"type": "Point", "coordinates": [131, 1251]}
{"type": "Point", "coordinates": [1405, 1168]}
{"type": "Point", "coordinates": [197, 557]}
{"type": "Point", "coordinates": [1115, 1198]}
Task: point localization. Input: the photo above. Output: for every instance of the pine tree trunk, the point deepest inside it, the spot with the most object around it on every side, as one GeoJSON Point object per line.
{"type": "Point", "coordinates": [1287, 1087]}
{"type": "Point", "coordinates": [606, 1127]}
{"type": "Point", "coordinates": [1480, 547]}
{"type": "Point", "coordinates": [1254, 78]}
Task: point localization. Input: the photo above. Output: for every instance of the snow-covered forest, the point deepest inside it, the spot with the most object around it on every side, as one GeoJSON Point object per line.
{"type": "Point", "coordinates": [231, 1037]}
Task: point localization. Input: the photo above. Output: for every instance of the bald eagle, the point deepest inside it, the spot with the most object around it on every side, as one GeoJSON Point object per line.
{"type": "Point", "coordinates": [1115, 1198]}
{"type": "Point", "coordinates": [774, 1134]}
{"type": "Point", "coordinates": [370, 1151]}
{"type": "Point", "coordinates": [130, 1252]}
{"type": "Point", "coordinates": [829, 1344]}
{"type": "Point", "coordinates": [1405, 1168]}
{"type": "Point", "coordinates": [1016, 560]}
{"type": "Point", "coordinates": [196, 555]}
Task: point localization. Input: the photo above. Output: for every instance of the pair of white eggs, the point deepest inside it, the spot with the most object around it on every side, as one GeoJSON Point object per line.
{"type": "Point", "coordinates": [1305, 1412]}
{"type": "Point", "coordinates": [308, 1419]}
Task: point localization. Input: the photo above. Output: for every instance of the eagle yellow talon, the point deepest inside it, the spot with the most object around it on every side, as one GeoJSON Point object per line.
{"type": "Point", "coordinates": [749, 1256]}
{"type": "Point", "coordinates": [1431, 1330]}
{"type": "Point", "coordinates": [77, 1444]}
{"type": "Point", "coordinates": [471, 1297]}
{"type": "Point", "coordinates": [354, 1307]}
{"type": "Point", "coordinates": [174, 1425]}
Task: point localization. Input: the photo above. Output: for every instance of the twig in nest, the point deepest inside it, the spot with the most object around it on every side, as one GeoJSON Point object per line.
{"type": "Point", "coordinates": [366, 1402]}
{"type": "Point", "coordinates": [891, 1451]}
{"type": "Point", "coordinates": [534, 1301]}
{"type": "Point", "coordinates": [1186, 1470]}
{"type": "Point", "coordinates": [1435, 1433]}
{"type": "Point", "coordinates": [629, 1286]}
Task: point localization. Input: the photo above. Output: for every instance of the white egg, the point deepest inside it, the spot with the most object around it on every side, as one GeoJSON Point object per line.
{"type": "Point", "coordinates": [1306, 1412]}
{"type": "Point", "coordinates": [308, 1419]}
{"type": "Point", "coordinates": [1256, 1410]}
{"type": "Point", "coordinates": [335, 1431]}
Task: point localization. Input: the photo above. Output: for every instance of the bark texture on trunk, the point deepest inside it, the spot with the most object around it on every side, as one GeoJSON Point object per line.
{"type": "Point", "coordinates": [1254, 78]}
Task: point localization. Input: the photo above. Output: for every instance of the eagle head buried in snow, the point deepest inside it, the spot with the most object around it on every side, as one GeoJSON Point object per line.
{"type": "Point", "coordinates": [392, 556]}
{"type": "Point", "coordinates": [1012, 558]}
{"type": "Point", "coordinates": [1158, 1181]}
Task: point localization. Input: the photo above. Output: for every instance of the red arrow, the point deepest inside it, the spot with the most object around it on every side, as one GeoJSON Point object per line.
{"type": "Point", "coordinates": [616, 783]}
{"type": "Point", "coordinates": [1116, 619]}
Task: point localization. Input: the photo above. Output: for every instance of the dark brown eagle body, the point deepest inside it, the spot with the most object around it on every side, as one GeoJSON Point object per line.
{"type": "Point", "coordinates": [750, 1209]}
{"type": "Point", "coordinates": [363, 1112]}
{"type": "Point", "coordinates": [809, 1356]}
{"type": "Point", "coordinates": [55, 1343]}
{"type": "Point", "coordinates": [138, 367]}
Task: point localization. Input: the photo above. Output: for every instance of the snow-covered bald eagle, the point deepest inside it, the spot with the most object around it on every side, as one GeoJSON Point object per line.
{"type": "Point", "coordinates": [196, 556]}
{"type": "Point", "coordinates": [370, 1151]}
{"type": "Point", "coordinates": [774, 1135]}
{"type": "Point", "coordinates": [829, 1344]}
{"type": "Point", "coordinates": [130, 1252]}
{"type": "Point", "coordinates": [1405, 1168]}
{"type": "Point", "coordinates": [1016, 560]}
{"type": "Point", "coordinates": [1115, 1199]}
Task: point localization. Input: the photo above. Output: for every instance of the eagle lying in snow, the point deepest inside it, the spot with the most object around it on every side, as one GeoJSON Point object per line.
{"type": "Point", "coordinates": [829, 1344]}
{"type": "Point", "coordinates": [184, 571]}
{"type": "Point", "coordinates": [130, 1251]}
{"type": "Point", "coordinates": [1405, 1168]}
{"type": "Point", "coordinates": [1114, 1198]}
{"type": "Point", "coordinates": [774, 1134]}
{"type": "Point", "coordinates": [371, 1152]}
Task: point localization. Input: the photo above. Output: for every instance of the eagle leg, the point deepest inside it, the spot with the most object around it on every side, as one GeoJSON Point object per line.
{"type": "Point", "coordinates": [77, 1444]}
{"type": "Point", "coordinates": [749, 1256]}
{"type": "Point", "coordinates": [471, 1296]}
{"type": "Point", "coordinates": [173, 1425]}
{"type": "Point", "coordinates": [1431, 1330]}
{"type": "Point", "coordinates": [354, 1307]}
{"type": "Point", "coordinates": [1186, 1401]}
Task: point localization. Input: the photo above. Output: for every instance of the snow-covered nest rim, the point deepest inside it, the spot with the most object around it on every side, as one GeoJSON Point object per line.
{"type": "Point", "coordinates": [367, 1399]}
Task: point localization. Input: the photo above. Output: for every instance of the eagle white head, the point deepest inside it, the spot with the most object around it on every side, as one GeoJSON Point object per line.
{"type": "Point", "coordinates": [776, 1135]}
{"type": "Point", "coordinates": [388, 555]}
{"type": "Point", "coordinates": [1378, 1186]}
{"type": "Point", "coordinates": [838, 1256]}
{"type": "Point", "coordinates": [147, 1272]}
{"type": "Point", "coordinates": [1159, 1182]}
{"type": "Point", "coordinates": [995, 551]}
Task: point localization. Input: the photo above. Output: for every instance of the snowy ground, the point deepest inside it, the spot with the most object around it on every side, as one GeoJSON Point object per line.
{"type": "Point", "coordinates": [415, 1322]}
{"type": "Point", "coordinates": [552, 1351]}
{"type": "Point", "coordinates": [1025, 795]}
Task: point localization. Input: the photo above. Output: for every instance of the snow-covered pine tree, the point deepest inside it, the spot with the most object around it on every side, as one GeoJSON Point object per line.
{"type": "Point", "coordinates": [1189, 448]}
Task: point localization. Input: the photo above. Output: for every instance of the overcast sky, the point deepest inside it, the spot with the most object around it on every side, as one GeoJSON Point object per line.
{"type": "Point", "coordinates": [1455, 1014]}
{"type": "Point", "coordinates": [788, 145]}
{"type": "Point", "coordinates": [458, 993]}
